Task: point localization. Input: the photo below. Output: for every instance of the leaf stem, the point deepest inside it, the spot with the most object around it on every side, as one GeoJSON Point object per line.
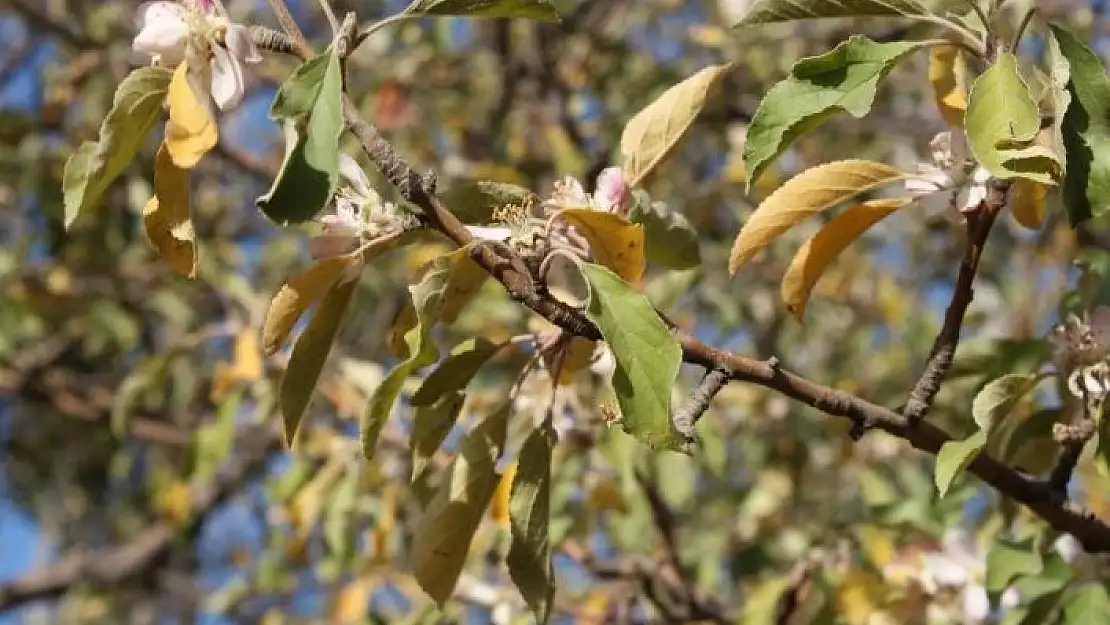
{"type": "Point", "coordinates": [325, 6]}
{"type": "Point", "coordinates": [965, 38]}
{"type": "Point", "coordinates": [370, 29]}
{"type": "Point", "coordinates": [1025, 20]}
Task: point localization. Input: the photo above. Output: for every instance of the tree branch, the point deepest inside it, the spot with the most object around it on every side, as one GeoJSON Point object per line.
{"type": "Point", "coordinates": [517, 280]}
{"type": "Point", "coordinates": [944, 348]}
{"type": "Point", "coordinates": [113, 565]}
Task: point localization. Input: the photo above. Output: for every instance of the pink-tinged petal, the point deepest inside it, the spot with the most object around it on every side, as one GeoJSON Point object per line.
{"type": "Point", "coordinates": [205, 5]}
{"type": "Point", "coordinates": [569, 192]}
{"type": "Point", "coordinates": [491, 233]}
{"type": "Point", "coordinates": [159, 11]}
{"type": "Point", "coordinates": [164, 37]}
{"type": "Point", "coordinates": [612, 193]}
{"type": "Point", "coordinates": [971, 200]}
{"type": "Point", "coordinates": [330, 245]}
{"type": "Point", "coordinates": [227, 79]}
{"type": "Point", "coordinates": [922, 186]}
{"type": "Point", "coordinates": [352, 172]}
{"type": "Point", "coordinates": [241, 45]}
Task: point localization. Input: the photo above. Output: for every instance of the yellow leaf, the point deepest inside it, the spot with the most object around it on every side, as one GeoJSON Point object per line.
{"type": "Point", "coordinates": [859, 596]}
{"type": "Point", "coordinates": [166, 216]}
{"type": "Point", "coordinates": [812, 259]}
{"type": "Point", "coordinates": [1027, 200]}
{"type": "Point", "coordinates": [499, 507]}
{"type": "Point", "coordinates": [190, 132]}
{"type": "Point", "coordinates": [948, 75]}
{"type": "Point", "coordinates": [175, 500]}
{"type": "Point", "coordinates": [579, 354]}
{"type": "Point", "coordinates": [295, 296]}
{"type": "Point", "coordinates": [246, 365]}
{"type": "Point", "coordinates": [614, 241]}
{"type": "Point", "coordinates": [466, 280]}
{"type": "Point", "coordinates": [809, 192]}
{"type": "Point", "coordinates": [349, 604]}
{"type": "Point", "coordinates": [655, 131]}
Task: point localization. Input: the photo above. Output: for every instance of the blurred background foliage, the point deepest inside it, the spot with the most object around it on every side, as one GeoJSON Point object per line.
{"type": "Point", "coordinates": [140, 462]}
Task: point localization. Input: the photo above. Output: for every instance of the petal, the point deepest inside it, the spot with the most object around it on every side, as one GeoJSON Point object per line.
{"type": "Point", "coordinates": [491, 233]}
{"type": "Point", "coordinates": [241, 45]}
{"type": "Point", "coordinates": [164, 36]}
{"type": "Point", "coordinates": [612, 191]}
{"type": "Point", "coordinates": [352, 172]}
{"type": "Point", "coordinates": [330, 245]}
{"type": "Point", "coordinates": [227, 79]}
{"type": "Point", "coordinates": [976, 603]}
{"type": "Point", "coordinates": [569, 192]}
{"type": "Point", "coordinates": [972, 198]}
{"type": "Point", "coordinates": [151, 12]}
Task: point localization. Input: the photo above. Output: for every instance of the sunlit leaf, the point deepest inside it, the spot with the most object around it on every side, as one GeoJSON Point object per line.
{"type": "Point", "coordinates": [809, 192]}
{"type": "Point", "coordinates": [770, 11]}
{"type": "Point", "coordinates": [1027, 202]}
{"type": "Point", "coordinates": [995, 401]}
{"type": "Point", "coordinates": [245, 366]}
{"type": "Point", "coordinates": [455, 372]}
{"type": "Point", "coordinates": [671, 240]}
{"type": "Point", "coordinates": [1009, 560]}
{"type": "Point", "coordinates": [615, 242]}
{"type": "Point", "coordinates": [1002, 125]}
{"type": "Point", "coordinates": [448, 284]}
{"type": "Point", "coordinates": [295, 297]}
{"type": "Point", "coordinates": [845, 78]}
{"type": "Point", "coordinates": [309, 353]}
{"type": "Point", "coordinates": [167, 216]}
{"type": "Point", "coordinates": [1059, 96]}
{"type": "Point", "coordinates": [540, 10]}
{"type": "Point", "coordinates": [430, 427]}
{"type": "Point", "coordinates": [1087, 605]}
{"type": "Point", "coordinates": [191, 131]}
{"type": "Point", "coordinates": [1086, 131]}
{"type": "Point", "coordinates": [647, 356]}
{"type": "Point", "coordinates": [442, 537]}
{"type": "Point", "coordinates": [655, 131]}
{"type": "Point", "coordinates": [954, 456]}
{"type": "Point", "coordinates": [309, 106]}
{"type": "Point", "coordinates": [817, 253]}
{"type": "Point", "coordinates": [136, 107]}
{"type": "Point", "coordinates": [529, 557]}
{"type": "Point", "coordinates": [948, 75]}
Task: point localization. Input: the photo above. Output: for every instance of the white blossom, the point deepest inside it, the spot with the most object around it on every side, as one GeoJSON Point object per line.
{"type": "Point", "coordinates": [216, 49]}
{"type": "Point", "coordinates": [949, 178]}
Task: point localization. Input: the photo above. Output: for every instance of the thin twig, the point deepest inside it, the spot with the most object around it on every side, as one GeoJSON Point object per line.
{"type": "Point", "coordinates": [686, 418]}
{"type": "Point", "coordinates": [325, 6]}
{"type": "Point", "coordinates": [1025, 20]}
{"type": "Point", "coordinates": [944, 348]}
{"type": "Point", "coordinates": [301, 46]}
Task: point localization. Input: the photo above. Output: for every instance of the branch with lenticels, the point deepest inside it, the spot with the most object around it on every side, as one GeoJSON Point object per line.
{"type": "Point", "coordinates": [513, 274]}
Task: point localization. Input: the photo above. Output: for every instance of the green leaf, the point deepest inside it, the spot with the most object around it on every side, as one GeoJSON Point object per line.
{"type": "Point", "coordinates": [529, 557]}
{"type": "Point", "coordinates": [647, 356]}
{"type": "Point", "coordinates": [456, 371]}
{"type": "Point", "coordinates": [340, 532]}
{"type": "Point", "coordinates": [1009, 560]}
{"type": "Point", "coordinates": [309, 106]}
{"type": "Point", "coordinates": [130, 392]}
{"type": "Point", "coordinates": [215, 441]}
{"type": "Point", "coordinates": [845, 78]}
{"type": "Point", "coordinates": [309, 354]}
{"type": "Point", "coordinates": [136, 107]}
{"type": "Point", "coordinates": [1002, 125]}
{"type": "Point", "coordinates": [448, 284]}
{"type": "Point", "coordinates": [1059, 75]}
{"type": "Point", "coordinates": [473, 202]}
{"type": "Point", "coordinates": [995, 401]}
{"type": "Point", "coordinates": [1086, 131]}
{"type": "Point", "coordinates": [655, 131]}
{"type": "Point", "coordinates": [770, 11]}
{"type": "Point", "coordinates": [954, 456]}
{"type": "Point", "coordinates": [528, 9]}
{"type": "Point", "coordinates": [431, 425]}
{"type": "Point", "coordinates": [1087, 605]}
{"type": "Point", "coordinates": [442, 537]}
{"type": "Point", "coordinates": [671, 240]}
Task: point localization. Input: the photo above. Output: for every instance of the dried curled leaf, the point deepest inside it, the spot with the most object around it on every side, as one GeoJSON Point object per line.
{"type": "Point", "coordinates": [190, 132]}
{"type": "Point", "coordinates": [615, 242]}
{"type": "Point", "coordinates": [296, 296]}
{"type": "Point", "coordinates": [167, 216]}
